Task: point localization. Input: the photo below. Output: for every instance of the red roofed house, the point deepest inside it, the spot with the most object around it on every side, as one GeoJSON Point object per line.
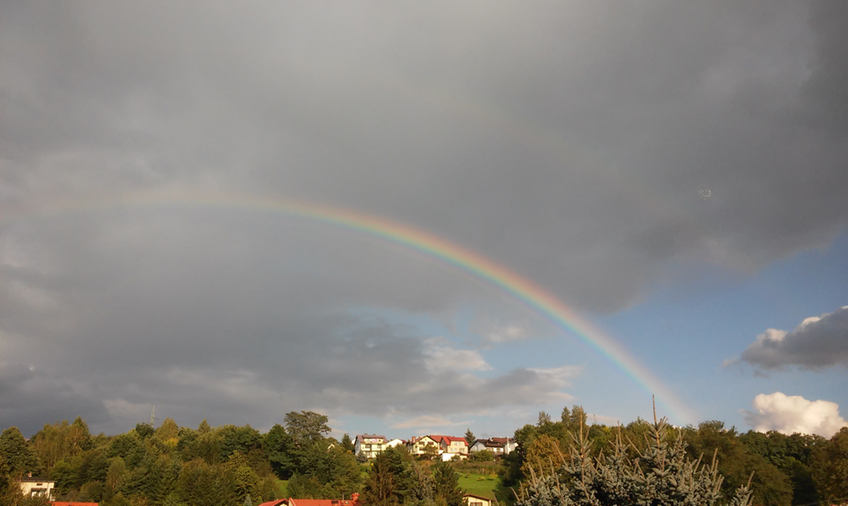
{"type": "Point", "coordinates": [451, 446]}
{"type": "Point", "coordinates": [354, 501]}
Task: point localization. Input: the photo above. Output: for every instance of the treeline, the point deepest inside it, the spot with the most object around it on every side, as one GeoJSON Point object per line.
{"type": "Point", "coordinates": [791, 470]}
{"type": "Point", "coordinates": [172, 465]}
{"type": "Point", "coordinates": [209, 466]}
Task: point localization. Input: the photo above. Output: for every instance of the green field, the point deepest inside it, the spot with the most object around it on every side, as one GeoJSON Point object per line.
{"type": "Point", "coordinates": [473, 484]}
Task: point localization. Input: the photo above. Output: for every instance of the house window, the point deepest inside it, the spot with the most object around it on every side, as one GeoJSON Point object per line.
{"type": "Point", "coordinates": [475, 503]}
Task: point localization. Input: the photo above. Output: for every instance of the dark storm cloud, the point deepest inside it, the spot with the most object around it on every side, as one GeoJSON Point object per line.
{"type": "Point", "coordinates": [30, 398]}
{"type": "Point", "coordinates": [566, 141]}
{"type": "Point", "coordinates": [168, 308]}
{"type": "Point", "coordinates": [820, 341]}
{"type": "Point", "coordinates": [825, 91]}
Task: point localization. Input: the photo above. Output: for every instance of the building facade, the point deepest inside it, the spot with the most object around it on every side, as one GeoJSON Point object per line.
{"type": "Point", "coordinates": [370, 445]}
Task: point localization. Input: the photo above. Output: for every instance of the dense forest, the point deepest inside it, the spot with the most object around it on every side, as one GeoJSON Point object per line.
{"type": "Point", "coordinates": [229, 465]}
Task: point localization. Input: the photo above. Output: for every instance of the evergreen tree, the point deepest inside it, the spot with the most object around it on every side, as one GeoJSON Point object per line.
{"type": "Point", "coordinates": [19, 458]}
{"type": "Point", "coordinates": [446, 485]}
{"type": "Point", "coordinates": [380, 486]}
{"type": "Point", "coordinates": [393, 480]}
{"type": "Point", "coordinates": [469, 438]}
{"type": "Point", "coordinates": [660, 475]}
{"type": "Point", "coordinates": [347, 443]}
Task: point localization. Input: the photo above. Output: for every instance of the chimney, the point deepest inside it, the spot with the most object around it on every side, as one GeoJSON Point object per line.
{"type": "Point", "coordinates": [355, 498]}
{"type": "Point", "coordinates": [29, 474]}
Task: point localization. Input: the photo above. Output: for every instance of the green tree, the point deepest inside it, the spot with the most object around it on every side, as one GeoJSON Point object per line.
{"type": "Point", "coordinates": [660, 475]}
{"type": "Point", "coordinates": [168, 433]}
{"type": "Point", "coordinates": [469, 438]}
{"type": "Point", "coordinates": [770, 487]}
{"type": "Point", "coordinates": [238, 439]}
{"type": "Point", "coordinates": [60, 441]}
{"type": "Point", "coordinates": [543, 457]}
{"type": "Point", "coordinates": [380, 487]}
{"type": "Point", "coordinates": [430, 451]}
{"type": "Point", "coordinates": [16, 453]}
{"type": "Point", "coordinates": [144, 430]}
{"type": "Point", "coordinates": [129, 447]}
{"type": "Point", "coordinates": [339, 472]}
{"type": "Point", "coordinates": [116, 475]}
{"type": "Point", "coordinates": [279, 446]}
{"type": "Point", "coordinates": [446, 489]}
{"type": "Point", "coordinates": [306, 426]}
{"type": "Point", "coordinates": [305, 487]}
{"type": "Point", "coordinates": [830, 468]}
{"type": "Point", "coordinates": [482, 456]}
{"type": "Point", "coordinates": [347, 443]}
{"type": "Point", "coordinates": [394, 479]}
{"type": "Point", "coordinates": [204, 484]}
{"type": "Point", "coordinates": [791, 455]}
{"type": "Point", "coordinates": [246, 481]}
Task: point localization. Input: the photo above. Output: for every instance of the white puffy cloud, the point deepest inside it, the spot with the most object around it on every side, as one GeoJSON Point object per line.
{"type": "Point", "coordinates": [505, 334]}
{"type": "Point", "coordinates": [790, 414]}
{"type": "Point", "coordinates": [443, 355]}
{"type": "Point", "coordinates": [819, 341]}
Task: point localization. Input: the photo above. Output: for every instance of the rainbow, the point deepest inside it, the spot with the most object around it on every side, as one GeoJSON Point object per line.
{"type": "Point", "coordinates": [478, 265]}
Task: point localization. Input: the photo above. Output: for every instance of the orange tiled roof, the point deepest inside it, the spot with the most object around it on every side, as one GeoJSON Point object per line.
{"type": "Point", "coordinates": [314, 502]}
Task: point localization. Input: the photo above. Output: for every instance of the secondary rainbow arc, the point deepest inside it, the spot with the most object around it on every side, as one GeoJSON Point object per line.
{"type": "Point", "coordinates": [524, 289]}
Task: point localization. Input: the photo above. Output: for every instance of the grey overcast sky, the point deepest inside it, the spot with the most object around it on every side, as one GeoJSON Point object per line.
{"type": "Point", "coordinates": [675, 172]}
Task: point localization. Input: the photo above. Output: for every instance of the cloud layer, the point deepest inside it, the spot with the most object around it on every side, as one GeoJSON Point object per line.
{"type": "Point", "coordinates": [568, 142]}
{"type": "Point", "coordinates": [819, 341]}
{"type": "Point", "coordinates": [790, 414]}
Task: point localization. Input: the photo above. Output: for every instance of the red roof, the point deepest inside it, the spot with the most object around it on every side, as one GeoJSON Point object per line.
{"type": "Point", "coordinates": [447, 439]}
{"type": "Point", "coordinates": [314, 502]}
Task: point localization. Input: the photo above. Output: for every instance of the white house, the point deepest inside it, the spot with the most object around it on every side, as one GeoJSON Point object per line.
{"type": "Point", "coordinates": [476, 500]}
{"type": "Point", "coordinates": [370, 445]}
{"type": "Point", "coordinates": [34, 487]}
{"type": "Point", "coordinates": [422, 445]}
{"type": "Point", "coordinates": [496, 445]}
{"type": "Point", "coordinates": [395, 442]}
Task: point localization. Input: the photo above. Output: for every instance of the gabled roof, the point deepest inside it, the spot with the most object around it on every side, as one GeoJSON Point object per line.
{"type": "Point", "coordinates": [419, 439]}
{"type": "Point", "coordinates": [362, 437]}
{"type": "Point", "coordinates": [314, 502]}
{"type": "Point", "coordinates": [495, 442]}
{"type": "Point", "coordinates": [447, 439]}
